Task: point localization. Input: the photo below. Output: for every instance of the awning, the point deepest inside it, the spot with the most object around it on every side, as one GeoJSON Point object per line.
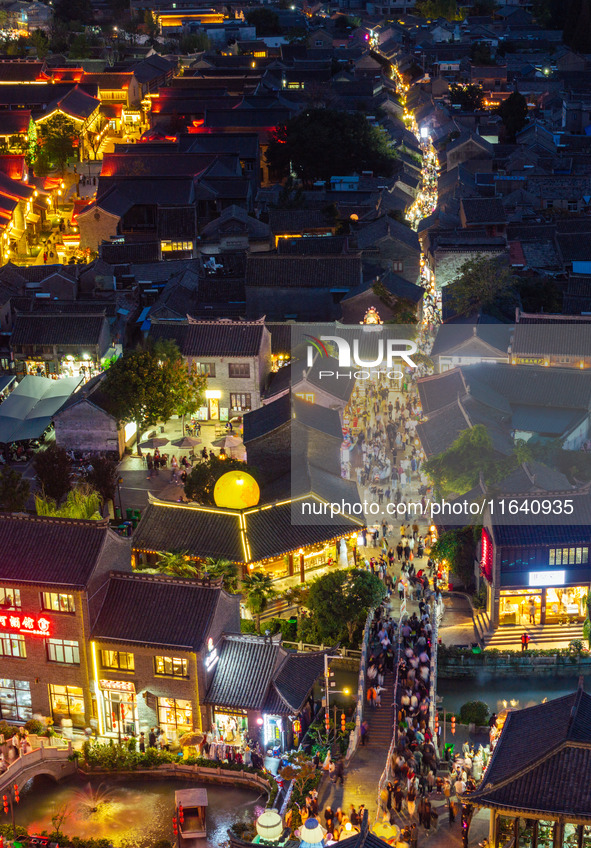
{"type": "Point", "coordinates": [6, 380]}
{"type": "Point", "coordinates": [29, 409]}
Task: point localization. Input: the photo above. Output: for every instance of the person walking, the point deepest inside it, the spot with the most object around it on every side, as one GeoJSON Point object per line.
{"type": "Point", "coordinates": [142, 745]}
{"type": "Point", "coordinates": [524, 640]}
{"type": "Point", "coordinates": [532, 611]}
{"type": "Point", "coordinates": [340, 772]}
{"type": "Point", "coordinates": [152, 738]}
{"type": "Point", "coordinates": [364, 732]}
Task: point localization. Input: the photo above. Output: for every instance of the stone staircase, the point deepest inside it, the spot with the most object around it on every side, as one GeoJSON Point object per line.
{"type": "Point", "coordinates": [381, 719]}
{"type": "Point", "coordinates": [548, 636]}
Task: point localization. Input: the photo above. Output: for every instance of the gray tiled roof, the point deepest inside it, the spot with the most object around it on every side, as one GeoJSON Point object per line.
{"type": "Point", "coordinates": [303, 271]}
{"type": "Point", "coordinates": [257, 673]}
{"type": "Point", "coordinates": [212, 338]}
{"type": "Point", "coordinates": [439, 390]}
{"type": "Point", "coordinates": [156, 610]}
{"type": "Point", "coordinates": [483, 210]}
{"type": "Point", "coordinates": [166, 527]}
{"type": "Point", "coordinates": [243, 672]}
{"type": "Point", "coordinates": [543, 772]}
{"type": "Point", "coordinates": [57, 330]}
{"type": "Point", "coordinates": [54, 550]}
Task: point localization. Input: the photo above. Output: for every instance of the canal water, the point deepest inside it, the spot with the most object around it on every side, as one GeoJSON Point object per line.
{"type": "Point", "coordinates": [131, 815]}
{"type": "Point", "coordinates": [502, 692]}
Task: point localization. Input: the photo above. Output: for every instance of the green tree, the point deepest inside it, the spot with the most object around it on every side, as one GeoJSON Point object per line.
{"type": "Point", "coordinates": [56, 138]}
{"type": "Point", "coordinates": [83, 502]}
{"type": "Point", "coordinates": [40, 42]}
{"type": "Point", "coordinates": [481, 54]}
{"type": "Point", "coordinates": [202, 479]}
{"type": "Point", "coordinates": [257, 589]}
{"type": "Point", "coordinates": [53, 469]}
{"type": "Point", "coordinates": [228, 571]}
{"type": "Point", "coordinates": [577, 26]}
{"type": "Point", "coordinates": [194, 42]}
{"type": "Point", "coordinates": [470, 97]}
{"type": "Point", "coordinates": [176, 563]}
{"type": "Point", "coordinates": [265, 20]}
{"type": "Point", "coordinates": [458, 548]}
{"type": "Point", "coordinates": [540, 294]}
{"type": "Point", "coordinates": [103, 477]}
{"type": "Point", "coordinates": [14, 490]}
{"type": "Point", "coordinates": [447, 9]}
{"type": "Point", "coordinates": [149, 384]}
{"type": "Point", "coordinates": [306, 145]}
{"type": "Point", "coordinates": [513, 112]}
{"type": "Point", "coordinates": [340, 601]}
{"type": "Point", "coordinates": [481, 283]}
{"type": "Point", "coordinates": [151, 23]}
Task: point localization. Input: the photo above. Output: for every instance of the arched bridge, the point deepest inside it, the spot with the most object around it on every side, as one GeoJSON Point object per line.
{"type": "Point", "coordinates": [53, 762]}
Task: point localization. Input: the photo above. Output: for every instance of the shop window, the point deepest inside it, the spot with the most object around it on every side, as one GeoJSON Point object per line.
{"type": "Point", "coordinates": [397, 266]}
{"type": "Point", "coordinates": [120, 660]}
{"type": "Point", "coordinates": [206, 368]}
{"type": "Point", "coordinates": [10, 598]}
{"type": "Point", "coordinates": [586, 836]}
{"type": "Point", "coordinates": [171, 666]}
{"type": "Point", "coordinates": [15, 700]}
{"type": "Point", "coordinates": [67, 702]}
{"type": "Point", "coordinates": [239, 369]}
{"type": "Point", "coordinates": [120, 712]}
{"type": "Point", "coordinates": [233, 726]}
{"type": "Point", "coordinates": [571, 835]}
{"type": "Point", "coordinates": [12, 645]}
{"type": "Point", "coordinates": [63, 651]}
{"type": "Point", "coordinates": [56, 602]}
{"type": "Point", "coordinates": [169, 246]}
{"type": "Point", "coordinates": [505, 830]}
{"type": "Point", "coordinates": [175, 714]}
{"type": "Point", "coordinates": [240, 402]}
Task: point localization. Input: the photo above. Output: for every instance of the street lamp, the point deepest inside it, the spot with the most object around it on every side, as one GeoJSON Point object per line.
{"type": "Point", "coordinates": [119, 481]}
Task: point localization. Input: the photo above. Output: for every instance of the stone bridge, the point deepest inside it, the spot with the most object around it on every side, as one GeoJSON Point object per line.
{"type": "Point", "coordinates": [53, 762]}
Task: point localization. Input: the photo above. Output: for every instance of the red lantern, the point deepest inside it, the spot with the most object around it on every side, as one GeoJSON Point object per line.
{"type": "Point", "coordinates": [181, 814]}
{"type": "Point", "coordinates": [453, 724]}
{"type": "Point", "coordinates": [5, 803]}
{"type": "Point", "coordinates": [16, 795]}
{"type": "Point", "coordinates": [343, 720]}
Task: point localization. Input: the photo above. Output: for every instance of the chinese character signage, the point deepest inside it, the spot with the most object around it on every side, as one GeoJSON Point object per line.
{"type": "Point", "coordinates": [118, 685]}
{"type": "Point", "coordinates": [22, 623]}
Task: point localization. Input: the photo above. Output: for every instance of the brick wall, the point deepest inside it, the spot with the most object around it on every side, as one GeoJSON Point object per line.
{"type": "Point", "coordinates": [87, 428]}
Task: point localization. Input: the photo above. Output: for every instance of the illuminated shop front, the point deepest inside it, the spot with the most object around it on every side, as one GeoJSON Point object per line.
{"type": "Point", "coordinates": [119, 703]}
{"type": "Point", "coordinates": [231, 725]}
{"type": "Point", "coordinates": [536, 575]}
{"type": "Point", "coordinates": [250, 537]}
{"type": "Point", "coordinates": [175, 716]}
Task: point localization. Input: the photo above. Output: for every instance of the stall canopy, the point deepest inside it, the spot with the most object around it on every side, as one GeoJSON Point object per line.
{"type": "Point", "coordinates": [6, 380]}
{"type": "Point", "coordinates": [29, 409]}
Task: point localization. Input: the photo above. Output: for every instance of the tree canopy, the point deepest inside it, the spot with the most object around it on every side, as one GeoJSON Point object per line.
{"type": "Point", "coordinates": [470, 97]}
{"type": "Point", "coordinates": [457, 469]}
{"type": "Point", "coordinates": [577, 25]}
{"type": "Point", "coordinates": [266, 21]}
{"type": "Point", "coordinates": [430, 9]}
{"type": "Point", "coordinates": [513, 112]}
{"type": "Point", "coordinates": [340, 601]}
{"type": "Point", "coordinates": [481, 283]}
{"type": "Point", "coordinates": [82, 502]}
{"type": "Point", "coordinates": [202, 479]}
{"type": "Point", "coordinates": [320, 143]}
{"type": "Point", "coordinates": [257, 588]}
{"type": "Point", "coordinates": [14, 490]}
{"type": "Point", "coordinates": [56, 141]}
{"type": "Point", "coordinates": [458, 548]}
{"type": "Point", "coordinates": [151, 383]}
{"type": "Point", "coordinates": [54, 472]}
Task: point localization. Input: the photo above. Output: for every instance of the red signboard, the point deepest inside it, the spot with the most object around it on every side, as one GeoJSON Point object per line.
{"type": "Point", "coordinates": [486, 558]}
{"type": "Point", "coordinates": [22, 623]}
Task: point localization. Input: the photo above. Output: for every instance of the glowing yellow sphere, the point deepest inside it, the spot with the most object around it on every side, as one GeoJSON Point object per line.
{"type": "Point", "coordinates": [236, 490]}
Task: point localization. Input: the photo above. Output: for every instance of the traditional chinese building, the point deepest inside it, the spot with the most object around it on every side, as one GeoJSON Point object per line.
{"type": "Point", "coordinates": [536, 785]}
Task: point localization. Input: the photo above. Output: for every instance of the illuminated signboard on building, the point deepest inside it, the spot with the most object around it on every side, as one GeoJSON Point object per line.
{"type": "Point", "coordinates": [547, 578]}
{"type": "Point", "coordinates": [118, 685]}
{"type": "Point", "coordinates": [20, 623]}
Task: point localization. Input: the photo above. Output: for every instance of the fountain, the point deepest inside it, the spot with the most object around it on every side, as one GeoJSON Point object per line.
{"type": "Point", "coordinates": [130, 814]}
{"type": "Point", "coordinates": [92, 799]}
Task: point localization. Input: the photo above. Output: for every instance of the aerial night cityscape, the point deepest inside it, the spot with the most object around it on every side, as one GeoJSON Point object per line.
{"type": "Point", "coordinates": [295, 423]}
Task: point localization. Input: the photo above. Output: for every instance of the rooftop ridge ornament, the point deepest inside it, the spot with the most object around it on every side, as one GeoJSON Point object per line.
{"type": "Point", "coordinates": [371, 317]}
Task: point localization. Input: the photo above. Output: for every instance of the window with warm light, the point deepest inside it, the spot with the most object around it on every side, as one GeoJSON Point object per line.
{"type": "Point", "coordinates": [57, 602]}
{"type": "Point", "coordinates": [171, 666]}
{"type": "Point", "coordinates": [12, 645]}
{"type": "Point", "coordinates": [119, 660]}
{"type": "Point", "coordinates": [9, 598]}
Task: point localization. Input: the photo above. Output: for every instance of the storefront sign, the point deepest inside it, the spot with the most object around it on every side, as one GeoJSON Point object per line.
{"type": "Point", "coordinates": [118, 685]}
{"type": "Point", "coordinates": [547, 578]}
{"type": "Point", "coordinates": [19, 623]}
